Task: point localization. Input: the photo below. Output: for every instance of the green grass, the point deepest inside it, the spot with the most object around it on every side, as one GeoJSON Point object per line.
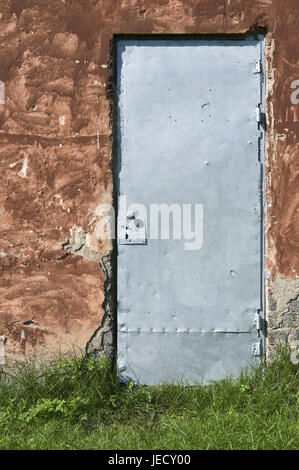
{"type": "Point", "coordinates": [78, 403]}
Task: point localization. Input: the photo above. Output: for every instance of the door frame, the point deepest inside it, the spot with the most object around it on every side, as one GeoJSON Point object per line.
{"type": "Point", "coordinates": [259, 34]}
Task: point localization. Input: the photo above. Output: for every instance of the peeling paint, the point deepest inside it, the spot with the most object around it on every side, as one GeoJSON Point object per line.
{"type": "Point", "coordinates": [80, 244]}
{"type": "Point", "coordinates": [3, 340]}
{"type": "Point", "coordinates": [23, 172]}
{"type": "Point", "coordinates": [62, 120]}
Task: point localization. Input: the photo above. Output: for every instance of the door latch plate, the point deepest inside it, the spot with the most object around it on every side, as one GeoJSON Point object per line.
{"type": "Point", "coordinates": [132, 232]}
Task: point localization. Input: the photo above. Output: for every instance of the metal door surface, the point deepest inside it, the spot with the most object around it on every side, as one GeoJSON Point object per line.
{"type": "Point", "coordinates": [190, 137]}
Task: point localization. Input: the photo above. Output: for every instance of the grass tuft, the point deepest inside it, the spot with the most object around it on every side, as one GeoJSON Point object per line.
{"type": "Point", "coordinates": [78, 403]}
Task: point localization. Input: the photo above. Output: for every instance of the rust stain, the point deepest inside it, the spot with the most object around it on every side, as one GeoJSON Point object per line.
{"type": "Point", "coordinates": [55, 148]}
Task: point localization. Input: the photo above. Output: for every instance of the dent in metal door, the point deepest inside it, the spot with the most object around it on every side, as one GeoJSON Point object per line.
{"type": "Point", "coordinates": [190, 132]}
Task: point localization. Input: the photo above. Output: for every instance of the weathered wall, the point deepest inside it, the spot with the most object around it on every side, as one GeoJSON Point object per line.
{"type": "Point", "coordinates": [55, 154]}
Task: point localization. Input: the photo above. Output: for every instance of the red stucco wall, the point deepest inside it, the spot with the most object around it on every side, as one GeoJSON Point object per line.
{"type": "Point", "coordinates": [55, 149]}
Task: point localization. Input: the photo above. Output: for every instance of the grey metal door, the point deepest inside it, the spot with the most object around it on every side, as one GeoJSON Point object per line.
{"type": "Point", "coordinates": [189, 134]}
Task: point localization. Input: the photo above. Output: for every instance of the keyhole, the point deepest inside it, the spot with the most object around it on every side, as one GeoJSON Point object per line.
{"type": "Point", "coordinates": [139, 223]}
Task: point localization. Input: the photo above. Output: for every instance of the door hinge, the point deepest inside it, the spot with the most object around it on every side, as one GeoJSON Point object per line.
{"type": "Point", "coordinates": [259, 114]}
{"type": "Point", "coordinates": [258, 322]}
{"type": "Point", "coordinates": [257, 348]}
